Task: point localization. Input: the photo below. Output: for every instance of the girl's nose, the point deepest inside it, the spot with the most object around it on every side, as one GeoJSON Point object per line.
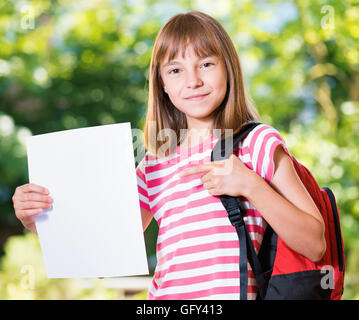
{"type": "Point", "coordinates": [194, 80]}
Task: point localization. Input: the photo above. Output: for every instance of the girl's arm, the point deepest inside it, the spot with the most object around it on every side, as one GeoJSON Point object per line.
{"type": "Point", "coordinates": [146, 218]}
{"type": "Point", "coordinates": [285, 203]}
{"type": "Point", "coordinates": [289, 209]}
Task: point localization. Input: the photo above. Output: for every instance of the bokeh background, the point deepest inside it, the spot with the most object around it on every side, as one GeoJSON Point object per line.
{"type": "Point", "coordinates": [75, 63]}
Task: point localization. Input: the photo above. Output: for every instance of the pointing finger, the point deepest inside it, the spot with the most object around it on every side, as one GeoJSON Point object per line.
{"type": "Point", "coordinates": [196, 169]}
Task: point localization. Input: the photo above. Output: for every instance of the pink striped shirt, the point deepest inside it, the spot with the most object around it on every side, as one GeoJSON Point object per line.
{"type": "Point", "coordinates": [197, 247]}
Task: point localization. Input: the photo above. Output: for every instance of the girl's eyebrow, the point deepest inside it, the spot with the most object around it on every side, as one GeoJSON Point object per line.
{"type": "Point", "coordinates": [174, 62]}
{"type": "Point", "coordinates": [170, 63]}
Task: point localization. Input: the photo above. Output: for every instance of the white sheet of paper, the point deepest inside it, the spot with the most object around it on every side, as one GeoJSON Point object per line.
{"type": "Point", "coordinates": [94, 228]}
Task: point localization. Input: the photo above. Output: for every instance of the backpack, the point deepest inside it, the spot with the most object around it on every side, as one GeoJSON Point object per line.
{"type": "Point", "coordinates": [282, 273]}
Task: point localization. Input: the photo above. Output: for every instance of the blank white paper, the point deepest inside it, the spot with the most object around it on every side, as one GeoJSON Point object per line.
{"type": "Point", "coordinates": [94, 228]}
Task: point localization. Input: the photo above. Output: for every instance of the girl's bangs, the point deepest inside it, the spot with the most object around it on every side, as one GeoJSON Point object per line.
{"type": "Point", "coordinates": [179, 36]}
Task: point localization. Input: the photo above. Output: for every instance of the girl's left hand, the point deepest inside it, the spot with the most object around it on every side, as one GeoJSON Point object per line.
{"type": "Point", "coordinates": [230, 177]}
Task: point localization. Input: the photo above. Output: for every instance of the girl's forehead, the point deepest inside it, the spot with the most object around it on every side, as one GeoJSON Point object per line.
{"type": "Point", "coordinates": [186, 53]}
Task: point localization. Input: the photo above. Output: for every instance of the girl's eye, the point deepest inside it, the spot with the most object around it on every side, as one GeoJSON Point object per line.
{"type": "Point", "coordinates": [173, 71]}
{"type": "Point", "coordinates": [207, 64]}
{"type": "Point", "coordinates": [176, 71]}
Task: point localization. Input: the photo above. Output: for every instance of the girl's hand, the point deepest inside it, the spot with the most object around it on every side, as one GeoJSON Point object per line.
{"type": "Point", "coordinates": [230, 177]}
{"type": "Point", "coordinates": [30, 200]}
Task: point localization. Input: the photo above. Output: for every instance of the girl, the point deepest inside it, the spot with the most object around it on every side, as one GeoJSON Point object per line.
{"type": "Point", "coordinates": [195, 89]}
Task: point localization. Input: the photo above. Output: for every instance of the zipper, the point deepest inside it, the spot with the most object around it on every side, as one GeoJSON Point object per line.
{"type": "Point", "coordinates": [338, 237]}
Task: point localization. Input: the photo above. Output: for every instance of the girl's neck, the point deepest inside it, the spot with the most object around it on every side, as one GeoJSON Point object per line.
{"type": "Point", "coordinates": [197, 132]}
{"type": "Point", "coordinates": [193, 137]}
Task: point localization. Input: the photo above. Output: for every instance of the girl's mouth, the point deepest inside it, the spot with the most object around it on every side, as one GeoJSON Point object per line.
{"type": "Point", "coordinates": [197, 97]}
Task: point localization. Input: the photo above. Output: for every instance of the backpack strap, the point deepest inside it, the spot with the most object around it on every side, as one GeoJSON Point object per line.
{"type": "Point", "coordinates": [224, 148]}
{"type": "Point", "coordinates": [236, 212]}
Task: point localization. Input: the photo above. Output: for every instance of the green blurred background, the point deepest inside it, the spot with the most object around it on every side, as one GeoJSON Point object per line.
{"type": "Point", "coordinates": [72, 63]}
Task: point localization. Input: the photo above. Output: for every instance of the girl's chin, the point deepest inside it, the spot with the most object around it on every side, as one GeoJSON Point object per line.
{"type": "Point", "coordinates": [200, 116]}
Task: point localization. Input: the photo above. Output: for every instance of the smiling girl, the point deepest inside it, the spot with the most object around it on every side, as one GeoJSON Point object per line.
{"type": "Point", "coordinates": [196, 87]}
{"type": "Point", "coordinates": [196, 84]}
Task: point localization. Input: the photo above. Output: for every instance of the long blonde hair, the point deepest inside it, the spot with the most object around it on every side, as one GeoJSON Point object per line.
{"type": "Point", "coordinates": [207, 37]}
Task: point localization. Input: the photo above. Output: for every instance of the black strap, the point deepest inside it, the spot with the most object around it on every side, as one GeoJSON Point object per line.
{"type": "Point", "coordinates": [236, 212]}
{"type": "Point", "coordinates": [226, 146]}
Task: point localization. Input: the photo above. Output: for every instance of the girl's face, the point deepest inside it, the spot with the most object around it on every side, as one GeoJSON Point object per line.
{"type": "Point", "coordinates": [195, 86]}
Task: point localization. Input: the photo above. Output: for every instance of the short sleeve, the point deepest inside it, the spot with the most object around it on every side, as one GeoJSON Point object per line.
{"type": "Point", "coordinates": [261, 143]}
{"type": "Point", "coordinates": [142, 185]}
